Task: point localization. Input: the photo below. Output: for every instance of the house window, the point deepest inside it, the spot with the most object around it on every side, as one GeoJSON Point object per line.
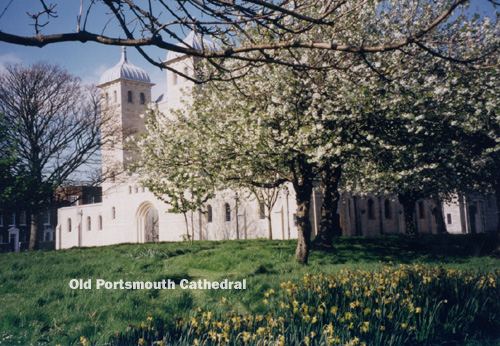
{"type": "Point", "coordinates": [174, 78]}
{"type": "Point", "coordinates": [209, 213]}
{"type": "Point", "coordinates": [371, 209]}
{"type": "Point", "coordinates": [107, 99]}
{"type": "Point", "coordinates": [129, 97]}
{"type": "Point", "coordinates": [448, 218]}
{"type": "Point", "coordinates": [143, 98]}
{"type": "Point", "coordinates": [130, 190]}
{"type": "Point", "coordinates": [387, 209]}
{"type": "Point", "coordinates": [113, 213]}
{"type": "Point", "coordinates": [136, 189]}
{"type": "Point", "coordinates": [421, 212]}
{"type": "Point", "coordinates": [186, 71]}
{"type": "Point", "coordinates": [89, 223]}
{"type": "Point", "coordinates": [12, 221]}
{"type": "Point", "coordinates": [73, 200]}
{"type": "Point", "coordinates": [115, 96]}
{"type": "Point", "coordinates": [100, 222]}
{"type": "Point", "coordinates": [295, 221]}
{"type": "Point", "coordinates": [69, 225]}
{"type": "Point", "coordinates": [143, 189]}
{"type": "Point", "coordinates": [1, 218]}
{"type": "Point", "coordinates": [228, 212]}
{"type": "Point", "coordinates": [22, 218]}
{"type": "Point", "coordinates": [262, 210]}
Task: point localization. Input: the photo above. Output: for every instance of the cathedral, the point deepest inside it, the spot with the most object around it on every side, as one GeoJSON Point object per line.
{"type": "Point", "coordinates": [129, 213]}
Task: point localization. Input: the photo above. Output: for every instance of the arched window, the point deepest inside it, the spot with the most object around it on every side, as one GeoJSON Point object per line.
{"type": "Point", "coordinates": [113, 213]}
{"type": "Point", "coordinates": [387, 209]}
{"type": "Point", "coordinates": [228, 211]}
{"type": "Point", "coordinates": [174, 78]}
{"type": "Point", "coordinates": [262, 210]}
{"type": "Point", "coordinates": [371, 209]}
{"type": "Point", "coordinates": [69, 225]}
{"type": "Point", "coordinates": [209, 214]}
{"type": "Point", "coordinates": [129, 97]}
{"type": "Point", "coordinates": [143, 98]}
{"type": "Point", "coordinates": [107, 99]}
{"type": "Point", "coordinates": [130, 190]}
{"type": "Point", "coordinates": [100, 222]}
{"type": "Point", "coordinates": [421, 212]}
{"type": "Point", "coordinates": [186, 71]}
{"type": "Point", "coordinates": [115, 96]}
{"type": "Point", "coordinates": [89, 223]}
{"type": "Point", "coordinates": [136, 189]}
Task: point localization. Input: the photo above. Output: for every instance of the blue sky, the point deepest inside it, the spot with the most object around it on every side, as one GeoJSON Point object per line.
{"type": "Point", "coordinates": [87, 60]}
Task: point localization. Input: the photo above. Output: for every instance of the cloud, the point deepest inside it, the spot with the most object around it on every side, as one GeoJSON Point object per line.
{"type": "Point", "coordinates": [95, 75]}
{"type": "Point", "coordinates": [8, 58]}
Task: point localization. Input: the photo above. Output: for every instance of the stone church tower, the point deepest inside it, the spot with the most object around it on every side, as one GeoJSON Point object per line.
{"type": "Point", "coordinates": [179, 87]}
{"type": "Point", "coordinates": [125, 92]}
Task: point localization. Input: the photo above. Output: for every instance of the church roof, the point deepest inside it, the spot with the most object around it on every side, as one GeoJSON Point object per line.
{"type": "Point", "coordinates": [193, 40]}
{"type": "Point", "coordinates": [125, 70]}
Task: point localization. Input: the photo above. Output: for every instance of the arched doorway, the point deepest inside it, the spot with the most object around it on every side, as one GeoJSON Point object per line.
{"type": "Point", "coordinates": [14, 239]}
{"type": "Point", "coordinates": [147, 223]}
{"type": "Point", "coordinates": [151, 226]}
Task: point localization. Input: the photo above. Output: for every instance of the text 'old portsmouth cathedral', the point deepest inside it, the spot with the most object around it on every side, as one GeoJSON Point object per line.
{"type": "Point", "coordinates": [129, 213]}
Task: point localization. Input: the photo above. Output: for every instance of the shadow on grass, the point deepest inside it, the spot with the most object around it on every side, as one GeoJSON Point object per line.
{"type": "Point", "coordinates": [406, 249]}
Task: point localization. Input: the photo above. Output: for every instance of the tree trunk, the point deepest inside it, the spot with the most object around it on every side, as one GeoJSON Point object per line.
{"type": "Point", "coordinates": [408, 202]}
{"type": "Point", "coordinates": [33, 231]}
{"type": "Point", "coordinates": [496, 253]}
{"type": "Point", "coordinates": [330, 221]}
{"type": "Point", "coordinates": [303, 186]}
{"type": "Point", "coordinates": [269, 224]}
{"type": "Point", "coordinates": [439, 218]}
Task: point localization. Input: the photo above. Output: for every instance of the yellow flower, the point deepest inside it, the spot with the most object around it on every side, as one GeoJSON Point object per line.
{"type": "Point", "coordinates": [314, 320]}
{"type": "Point", "coordinates": [149, 319]}
{"type": "Point", "coordinates": [403, 325]}
{"type": "Point", "coordinates": [223, 300]}
{"type": "Point", "coordinates": [84, 341]}
{"type": "Point", "coordinates": [334, 310]}
{"type": "Point", "coordinates": [382, 327]}
{"type": "Point", "coordinates": [418, 310]}
{"type": "Point", "coordinates": [141, 341]}
{"type": "Point", "coordinates": [367, 311]}
{"type": "Point", "coordinates": [159, 343]}
{"type": "Point", "coordinates": [246, 336]}
{"type": "Point", "coordinates": [306, 340]}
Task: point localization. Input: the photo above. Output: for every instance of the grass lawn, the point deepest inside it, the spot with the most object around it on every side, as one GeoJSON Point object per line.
{"type": "Point", "coordinates": [38, 307]}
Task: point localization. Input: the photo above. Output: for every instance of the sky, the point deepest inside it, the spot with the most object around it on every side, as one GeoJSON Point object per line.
{"type": "Point", "coordinates": [87, 60]}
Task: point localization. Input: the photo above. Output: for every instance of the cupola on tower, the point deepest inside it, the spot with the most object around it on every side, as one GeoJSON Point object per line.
{"type": "Point", "coordinates": [125, 94]}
